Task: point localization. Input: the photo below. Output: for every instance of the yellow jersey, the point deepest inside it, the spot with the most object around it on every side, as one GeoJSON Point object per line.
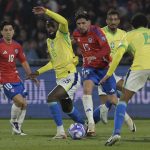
{"type": "Point", "coordinates": [138, 43]}
{"type": "Point", "coordinates": [62, 57]}
{"type": "Point", "coordinates": [113, 38]}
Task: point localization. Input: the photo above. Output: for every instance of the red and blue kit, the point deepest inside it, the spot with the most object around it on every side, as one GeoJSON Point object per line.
{"type": "Point", "coordinates": [94, 47]}
{"type": "Point", "coordinates": [8, 55]}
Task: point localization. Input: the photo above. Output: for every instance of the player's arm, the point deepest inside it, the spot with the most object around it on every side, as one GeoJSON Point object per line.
{"type": "Point", "coordinates": [45, 68]}
{"type": "Point", "coordinates": [63, 23]}
{"type": "Point", "coordinates": [116, 59]}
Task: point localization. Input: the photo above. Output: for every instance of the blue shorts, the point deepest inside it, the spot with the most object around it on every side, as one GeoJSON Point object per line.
{"type": "Point", "coordinates": [12, 89]}
{"type": "Point", "coordinates": [96, 75]}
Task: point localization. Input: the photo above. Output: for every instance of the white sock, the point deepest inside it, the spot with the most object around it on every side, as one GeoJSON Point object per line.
{"type": "Point", "coordinates": [88, 107]}
{"type": "Point", "coordinates": [126, 117]}
{"type": "Point", "coordinates": [15, 112]}
{"type": "Point", "coordinates": [21, 117]}
{"type": "Point", "coordinates": [60, 129]}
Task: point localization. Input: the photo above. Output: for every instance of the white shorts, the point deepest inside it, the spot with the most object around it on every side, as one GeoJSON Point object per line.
{"type": "Point", "coordinates": [71, 83]}
{"type": "Point", "coordinates": [136, 79]}
{"type": "Point", "coordinates": [100, 91]}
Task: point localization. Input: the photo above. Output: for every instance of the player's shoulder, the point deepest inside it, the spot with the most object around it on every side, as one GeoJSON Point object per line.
{"type": "Point", "coordinates": [16, 43]}
{"type": "Point", "coordinates": [76, 33]}
{"type": "Point", "coordinates": [121, 31]}
{"type": "Point", "coordinates": [97, 31]}
{"type": "Point", "coordinates": [95, 28]}
{"type": "Point", "coordinates": [1, 40]}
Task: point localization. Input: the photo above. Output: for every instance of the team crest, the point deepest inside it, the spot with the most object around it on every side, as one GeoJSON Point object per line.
{"type": "Point", "coordinates": [90, 40]}
{"type": "Point", "coordinates": [52, 44]}
{"type": "Point", "coordinates": [16, 51]}
{"type": "Point", "coordinates": [12, 90]}
{"type": "Point", "coordinates": [103, 38]}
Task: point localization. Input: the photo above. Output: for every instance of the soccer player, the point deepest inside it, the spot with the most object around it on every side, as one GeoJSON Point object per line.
{"type": "Point", "coordinates": [12, 85]}
{"type": "Point", "coordinates": [138, 43]}
{"type": "Point", "coordinates": [114, 35]}
{"type": "Point", "coordinates": [63, 61]}
{"type": "Point", "coordinates": [96, 58]}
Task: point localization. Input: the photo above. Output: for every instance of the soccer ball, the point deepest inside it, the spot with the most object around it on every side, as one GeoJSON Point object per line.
{"type": "Point", "coordinates": [76, 131]}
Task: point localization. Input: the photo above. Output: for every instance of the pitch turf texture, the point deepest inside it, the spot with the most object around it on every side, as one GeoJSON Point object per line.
{"type": "Point", "coordinates": [40, 133]}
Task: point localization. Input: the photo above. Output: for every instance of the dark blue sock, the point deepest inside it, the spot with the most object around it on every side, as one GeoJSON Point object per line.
{"type": "Point", "coordinates": [119, 93]}
{"type": "Point", "coordinates": [56, 113]}
{"type": "Point", "coordinates": [108, 104]}
{"type": "Point", "coordinates": [119, 116]}
{"type": "Point", "coordinates": [76, 116]}
{"type": "Point", "coordinates": [96, 114]}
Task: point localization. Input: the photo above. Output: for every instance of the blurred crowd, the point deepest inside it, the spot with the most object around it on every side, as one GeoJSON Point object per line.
{"type": "Point", "coordinates": [30, 29]}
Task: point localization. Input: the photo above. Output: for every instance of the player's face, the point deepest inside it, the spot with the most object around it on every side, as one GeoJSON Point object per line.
{"type": "Point", "coordinates": [113, 21]}
{"type": "Point", "coordinates": [7, 32]}
{"type": "Point", "coordinates": [83, 25]}
{"type": "Point", "coordinates": [52, 28]}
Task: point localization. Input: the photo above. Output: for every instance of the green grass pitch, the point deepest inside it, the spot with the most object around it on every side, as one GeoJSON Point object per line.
{"type": "Point", "coordinates": [40, 133]}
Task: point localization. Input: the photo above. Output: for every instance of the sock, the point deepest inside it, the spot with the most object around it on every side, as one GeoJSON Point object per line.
{"type": "Point", "coordinates": [88, 107]}
{"type": "Point", "coordinates": [96, 115]}
{"type": "Point", "coordinates": [76, 116]}
{"type": "Point", "coordinates": [118, 93]}
{"type": "Point", "coordinates": [21, 117]}
{"type": "Point", "coordinates": [119, 116]}
{"type": "Point", "coordinates": [56, 113]}
{"type": "Point", "coordinates": [60, 129]}
{"type": "Point", "coordinates": [108, 104]}
{"type": "Point", "coordinates": [15, 112]}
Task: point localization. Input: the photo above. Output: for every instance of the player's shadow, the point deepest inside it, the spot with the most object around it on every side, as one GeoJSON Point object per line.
{"type": "Point", "coordinates": [138, 140]}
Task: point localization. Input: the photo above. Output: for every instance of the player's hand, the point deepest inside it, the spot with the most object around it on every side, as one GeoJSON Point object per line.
{"type": "Point", "coordinates": [39, 10]}
{"type": "Point", "coordinates": [104, 79]}
{"type": "Point", "coordinates": [33, 77]}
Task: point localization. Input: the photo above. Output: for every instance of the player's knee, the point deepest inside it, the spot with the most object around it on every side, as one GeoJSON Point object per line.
{"type": "Point", "coordinates": [50, 99]}
{"type": "Point", "coordinates": [67, 105]}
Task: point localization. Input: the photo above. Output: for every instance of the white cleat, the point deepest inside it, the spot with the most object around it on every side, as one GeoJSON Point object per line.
{"type": "Point", "coordinates": [22, 133]}
{"type": "Point", "coordinates": [129, 122]}
{"type": "Point", "coordinates": [60, 136]}
{"type": "Point", "coordinates": [104, 113]}
{"type": "Point", "coordinates": [112, 140]}
{"type": "Point", "coordinates": [91, 129]}
{"type": "Point", "coordinates": [15, 127]}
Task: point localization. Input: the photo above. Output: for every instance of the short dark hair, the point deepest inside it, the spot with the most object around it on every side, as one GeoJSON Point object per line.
{"type": "Point", "coordinates": [139, 20]}
{"type": "Point", "coordinates": [51, 22]}
{"type": "Point", "coordinates": [4, 23]}
{"type": "Point", "coordinates": [113, 11]}
{"type": "Point", "coordinates": [81, 13]}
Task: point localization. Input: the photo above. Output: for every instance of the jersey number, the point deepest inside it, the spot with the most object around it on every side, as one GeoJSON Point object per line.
{"type": "Point", "coordinates": [146, 38]}
{"type": "Point", "coordinates": [86, 47]}
{"type": "Point", "coordinates": [11, 58]}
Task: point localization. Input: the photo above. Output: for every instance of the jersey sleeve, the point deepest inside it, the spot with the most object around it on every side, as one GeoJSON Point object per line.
{"type": "Point", "coordinates": [21, 55]}
{"type": "Point", "coordinates": [117, 57]}
{"type": "Point", "coordinates": [45, 68]}
{"type": "Point", "coordinates": [63, 23]}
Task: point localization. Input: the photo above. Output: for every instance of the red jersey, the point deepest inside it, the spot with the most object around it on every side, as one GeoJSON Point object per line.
{"type": "Point", "coordinates": [94, 47]}
{"type": "Point", "coordinates": [8, 55]}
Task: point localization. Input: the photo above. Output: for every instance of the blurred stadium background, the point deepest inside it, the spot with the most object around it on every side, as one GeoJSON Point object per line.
{"type": "Point", "coordinates": [31, 33]}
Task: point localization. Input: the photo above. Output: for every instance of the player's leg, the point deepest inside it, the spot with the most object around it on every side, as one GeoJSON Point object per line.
{"type": "Point", "coordinates": [61, 92]}
{"type": "Point", "coordinates": [19, 104]}
{"type": "Point", "coordinates": [88, 86]}
{"type": "Point", "coordinates": [71, 110]}
{"type": "Point", "coordinates": [135, 80]}
{"type": "Point", "coordinates": [53, 98]}
{"type": "Point", "coordinates": [67, 104]}
{"type": "Point", "coordinates": [89, 78]}
{"type": "Point", "coordinates": [15, 91]}
{"type": "Point", "coordinates": [101, 112]}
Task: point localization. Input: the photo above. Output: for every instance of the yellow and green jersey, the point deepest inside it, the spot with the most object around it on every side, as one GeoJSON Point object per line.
{"type": "Point", "coordinates": [63, 59]}
{"type": "Point", "coordinates": [138, 43]}
{"type": "Point", "coordinates": [113, 38]}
